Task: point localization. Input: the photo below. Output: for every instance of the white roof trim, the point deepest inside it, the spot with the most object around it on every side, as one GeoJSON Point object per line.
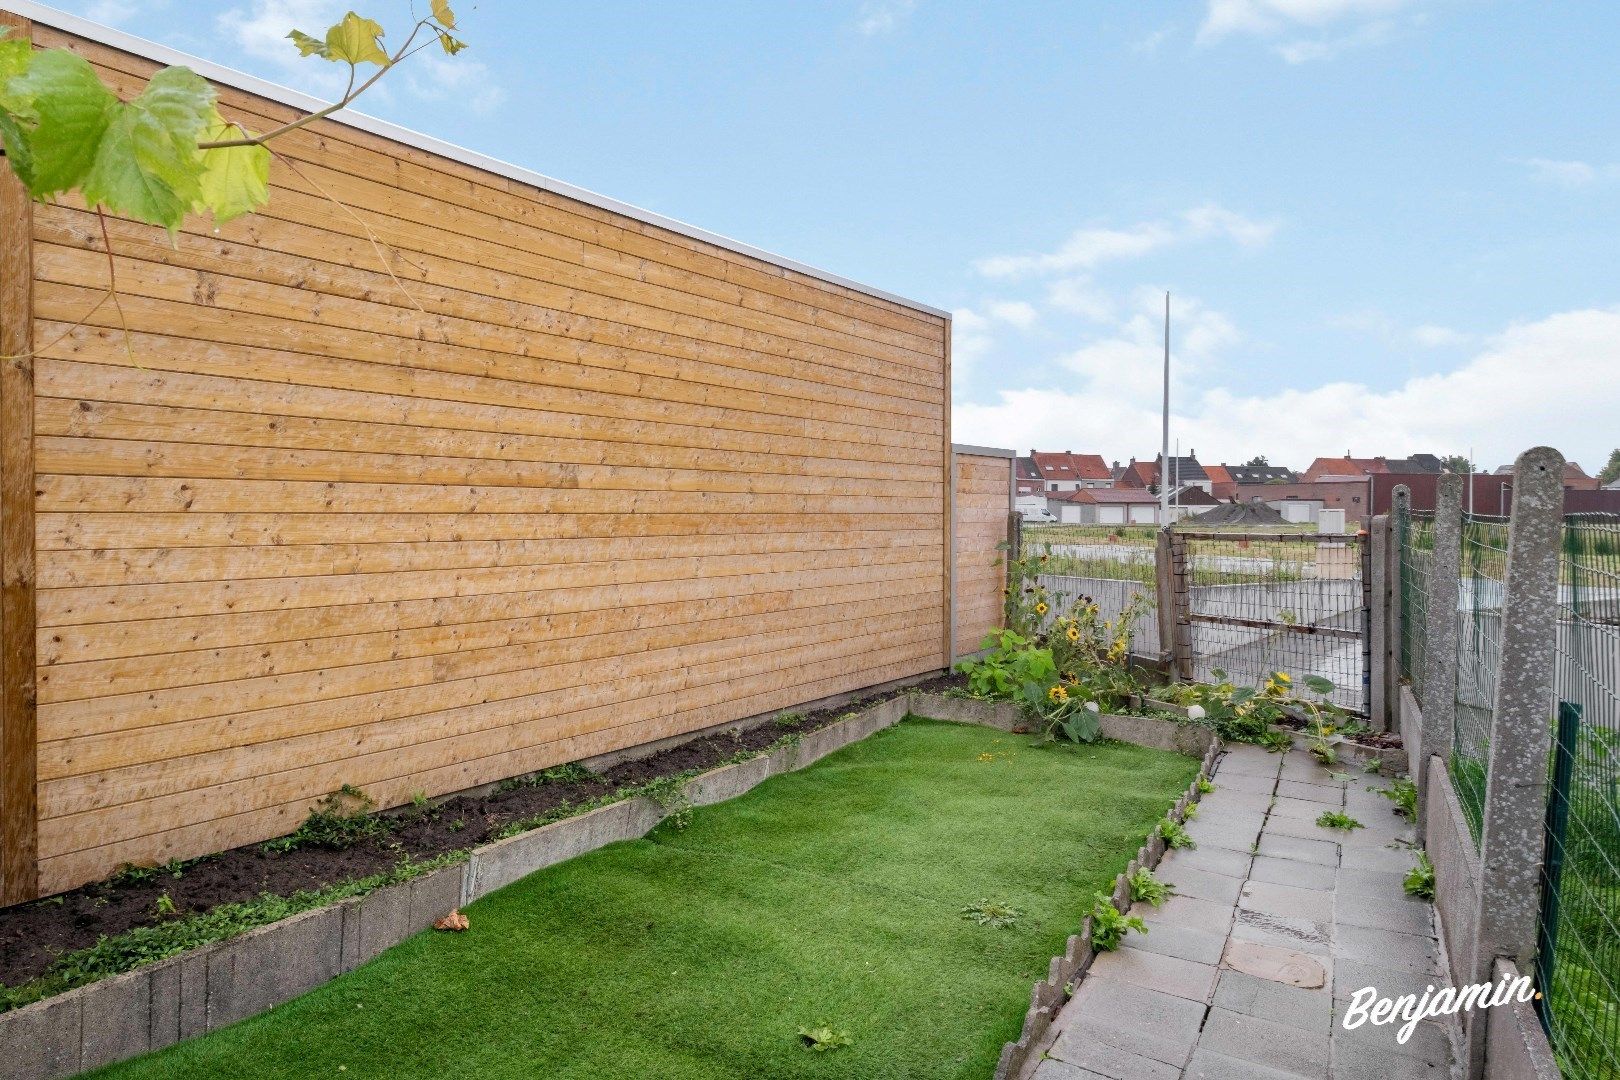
{"type": "Point", "coordinates": [118, 39]}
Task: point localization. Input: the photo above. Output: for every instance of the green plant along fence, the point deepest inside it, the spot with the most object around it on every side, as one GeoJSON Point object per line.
{"type": "Point", "coordinates": [1414, 538]}
{"type": "Point", "coordinates": [1479, 656]}
{"type": "Point", "coordinates": [1579, 956]}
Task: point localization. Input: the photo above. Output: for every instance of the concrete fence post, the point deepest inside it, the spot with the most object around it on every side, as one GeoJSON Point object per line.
{"type": "Point", "coordinates": [1378, 597]}
{"type": "Point", "coordinates": [1181, 645]}
{"type": "Point", "coordinates": [1439, 699]}
{"type": "Point", "coordinates": [1400, 516]}
{"type": "Point", "coordinates": [1511, 842]}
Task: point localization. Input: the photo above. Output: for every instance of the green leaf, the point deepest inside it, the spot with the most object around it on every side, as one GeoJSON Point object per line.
{"type": "Point", "coordinates": [443, 15]}
{"type": "Point", "coordinates": [309, 45]}
{"type": "Point", "coordinates": [235, 179]}
{"type": "Point", "coordinates": [71, 111]}
{"type": "Point", "coordinates": [147, 165]}
{"type": "Point", "coordinates": [356, 41]}
{"type": "Point", "coordinates": [1318, 685]}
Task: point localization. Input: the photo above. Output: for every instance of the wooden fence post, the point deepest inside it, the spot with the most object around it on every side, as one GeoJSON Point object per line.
{"type": "Point", "coordinates": [19, 805]}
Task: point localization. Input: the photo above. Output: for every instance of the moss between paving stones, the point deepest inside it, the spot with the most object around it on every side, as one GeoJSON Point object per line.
{"type": "Point", "coordinates": [831, 894]}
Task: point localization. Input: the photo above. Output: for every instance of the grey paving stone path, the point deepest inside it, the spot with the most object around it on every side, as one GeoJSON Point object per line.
{"type": "Point", "coordinates": [1276, 922]}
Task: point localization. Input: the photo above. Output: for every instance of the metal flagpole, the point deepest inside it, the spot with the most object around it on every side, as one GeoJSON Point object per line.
{"type": "Point", "coordinates": [1164, 448]}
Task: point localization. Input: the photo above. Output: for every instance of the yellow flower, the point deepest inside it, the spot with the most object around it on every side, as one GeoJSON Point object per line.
{"type": "Point", "coordinates": [1057, 693]}
{"type": "Point", "coordinates": [1282, 677]}
{"type": "Point", "coordinates": [1040, 608]}
{"type": "Point", "coordinates": [1074, 633]}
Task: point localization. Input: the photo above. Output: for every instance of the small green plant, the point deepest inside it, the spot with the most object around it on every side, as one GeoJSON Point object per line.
{"type": "Point", "coordinates": [130, 874]}
{"type": "Point", "coordinates": [992, 913]}
{"type": "Point", "coordinates": [339, 820]}
{"type": "Point", "coordinates": [1277, 741]}
{"type": "Point", "coordinates": [1109, 926]}
{"type": "Point", "coordinates": [1174, 835]}
{"type": "Point", "coordinates": [788, 719]}
{"type": "Point", "coordinates": [1191, 813]}
{"type": "Point", "coordinates": [1403, 793]}
{"type": "Point", "coordinates": [824, 1037]}
{"type": "Point", "coordinates": [1205, 785]}
{"type": "Point", "coordinates": [165, 905]}
{"type": "Point", "coordinates": [1147, 889]}
{"type": "Point", "coordinates": [1335, 819]}
{"type": "Point", "coordinates": [1420, 879]}
{"type": "Point", "coordinates": [419, 801]}
{"type": "Point", "coordinates": [669, 792]}
{"type": "Point", "coordinates": [1324, 748]}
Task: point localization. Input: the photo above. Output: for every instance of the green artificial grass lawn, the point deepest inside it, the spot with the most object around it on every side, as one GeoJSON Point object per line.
{"type": "Point", "coordinates": [830, 895]}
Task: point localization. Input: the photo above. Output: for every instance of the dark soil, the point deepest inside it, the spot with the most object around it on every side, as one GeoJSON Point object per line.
{"type": "Point", "coordinates": [1379, 740]}
{"type": "Point", "coordinates": [33, 935]}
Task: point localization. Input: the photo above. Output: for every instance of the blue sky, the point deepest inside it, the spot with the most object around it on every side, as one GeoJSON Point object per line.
{"type": "Point", "coordinates": [1388, 225]}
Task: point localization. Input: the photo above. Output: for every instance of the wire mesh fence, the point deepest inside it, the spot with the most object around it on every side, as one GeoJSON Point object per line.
{"type": "Point", "coordinates": [1267, 602]}
{"type": "Point", "coordinates": [1114, 565]}
{"type": "Point", "coordinates": [1479, 657]}
{"type": "Point", "coordinates": [1579, 949]}
{"type": "Point", "coordinates": [1414, 539]}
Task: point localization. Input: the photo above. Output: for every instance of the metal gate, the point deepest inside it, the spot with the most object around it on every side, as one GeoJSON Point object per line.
{"type": "Point", "coordinates": [1251, 604]}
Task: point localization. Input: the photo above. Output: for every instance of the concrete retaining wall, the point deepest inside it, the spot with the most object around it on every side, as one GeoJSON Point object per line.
{"type": "Point", "coordinates": [216, 985]}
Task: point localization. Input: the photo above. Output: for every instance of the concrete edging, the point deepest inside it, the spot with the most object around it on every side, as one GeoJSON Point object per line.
{"type": "Point", "coordinates": [1516, 1047]}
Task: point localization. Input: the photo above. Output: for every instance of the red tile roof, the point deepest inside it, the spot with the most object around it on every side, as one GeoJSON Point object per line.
{"type": "Point", "coordinates": [1070, 466]}
{"type": "Point", "coordinates": [1112, 496]}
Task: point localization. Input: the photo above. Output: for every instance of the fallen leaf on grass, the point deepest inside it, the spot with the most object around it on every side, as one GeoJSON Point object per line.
{"type": "Point", "coordinates": [453, 921]}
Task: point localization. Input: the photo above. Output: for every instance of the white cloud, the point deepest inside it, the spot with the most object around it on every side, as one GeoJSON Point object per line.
{"type": "Point", "coordinates": [1087, 248]}
{"type": "Point", "coordinates": [973, 332]}
{"type": "Point", "coordinates": [1078, 296]}
{"type": "Point", "coordinates": [1264, 17]}
{"type": "Point", "coordinates": [1019, 313]}
{"type": "Point", "coordinates": [1517, 392]}
{"type": "Point", "coordinates": [1571, 174]}
{"type": "Point", "coordinates": [883, 16]}
{"type": "Point", "coordinates": [1329, 27]}
{"type": "Point", "coordinates": [114, 12]}
{"type": "Point", "coordinates": [433, 76]}
{"type": "Point", "coordinates": [1431, 336]}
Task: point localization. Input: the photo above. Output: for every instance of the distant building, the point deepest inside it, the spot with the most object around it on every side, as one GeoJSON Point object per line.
{"type": "Point", "coordinates": [1027, 477]}
{"type": "Point", "coordinates": [1340, 468]}
{"type": "Point", "coordinates": [1261, 474]}
{"type": "Point", "coordinates": [1184, 472]}
{"type": "Point", "coordinates": [1125, 506]}
{"type": "Point", "coordinates": [1575, 477]}
{"type": "Point", "coordinates": [1068, 471]}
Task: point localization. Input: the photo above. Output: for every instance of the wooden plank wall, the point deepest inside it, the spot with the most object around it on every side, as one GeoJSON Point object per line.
{"type": "Point", "coordinates": [572, 483]}
{"type": "Point", "coordinates": [984, 487]}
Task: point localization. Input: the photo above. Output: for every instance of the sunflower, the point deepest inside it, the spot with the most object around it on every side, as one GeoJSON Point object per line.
{"type": "Point", "coordinates": [1282, 677]}
{"type": "Point", "coordinates": [1040, 608]}
{"type": "Point", "coordinates": [1057, 693]}
{"type": "Point", "coordinates": [1073, 634]}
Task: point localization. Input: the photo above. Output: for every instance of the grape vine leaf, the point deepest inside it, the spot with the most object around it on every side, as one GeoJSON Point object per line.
{"type": "Point", "coordinates": [235, 179]}
{"type": "Point", "coordinates": [356, 40]}
{"type": "Point", "coordinates": [443, 15]}
{"type": "Point", "coordinates": [66, 112]}
{"type": "Point", "coordinates": [146, 163]}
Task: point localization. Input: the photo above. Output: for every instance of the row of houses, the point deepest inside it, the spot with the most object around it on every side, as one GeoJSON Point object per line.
{"type": "Point", "coordinates": [1332, 494]}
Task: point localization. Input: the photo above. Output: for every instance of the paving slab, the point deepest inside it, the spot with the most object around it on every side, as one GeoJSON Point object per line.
{"type": "Point", "coordinates": [1053, 1069]}
{"type": "Point", "coordinates": [1400, 913]}
{"type": "Point", "coordinates": [1352, 1062]}
{"type": "Point", "coordinates": [1286, 806]}
{"type": "Point", "coordinates": [1350, 976]}
{"type": "Point", "coordinates": [1161, 1027]}
{"type": "Point", "coordinates": [1289, 967]}
{"type": "Point", "coordinates": [1171, 939]}
{"type": "Point", "coordinates": [1200, 884]}
{"type": "Point", "coordinates": [1171, 975]}
{"type": "Point", "coordinates": [1427, 1042]}
{"type": "Point", "coordinates": [1192, 913]}
{"type": "Point", "coordinates": [1248, 782]}
{"type": "Point", "coordinates": [1208, 1065]}
{"type": "Point", "coordinates": [1270, 898]}
{"type": "Point", "coordinates": [1210, 858]}
{"type": "Point", "coordinates": [1266, 1043]}
{"type": "Point", "coordinates": [1301, 875]}
{"type": "Point", "coordinates": [1221, 831]}
{"type": "Point", "coordinates": [1308, 829]}
{"type": "Point", "coordinates": [1309, 1010]}
{"type": "Point", "coordinates": [1300, 935]}
{"type": "Point", "coordinates": [1389, 856]}
{"type": "Point", "coordinates": [1331, 795]}
{"type": "Point", "coordinates": [1407, 952]}
{"type": "Point", "coordinates": [1321, 852]}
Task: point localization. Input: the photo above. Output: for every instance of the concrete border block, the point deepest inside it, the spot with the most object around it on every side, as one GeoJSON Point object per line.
{"type": "Point", "coordinates": [274, 964]}
{"type": "Point", "coordinates": [728, 782]}
{"type": "Point", "coordinates": [42, 1040]}
{"type": "Point", "coordinates": [435, 895]}
{"type": "Point", "coordinates": [1158, 734]}
{"type": "Point", "coordinates": [375, 922]}
{"type": "Point", "coordinates": [1516, 1047]}
{"type": "Point", "coordinates": [996, 714]}
{"type": "Point", "coordinates": [497, 865]}
{"type": "Point", "coordinates": [117, 1019]}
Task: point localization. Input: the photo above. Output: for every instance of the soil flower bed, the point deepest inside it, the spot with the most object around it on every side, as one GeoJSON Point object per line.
{"type": "Point", "coordinates": [829, 900]}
